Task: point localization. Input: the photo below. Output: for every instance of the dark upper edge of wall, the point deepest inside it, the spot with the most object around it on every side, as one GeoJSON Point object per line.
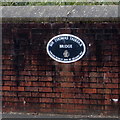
{"type": "Point", "coordinates": [60, 13]}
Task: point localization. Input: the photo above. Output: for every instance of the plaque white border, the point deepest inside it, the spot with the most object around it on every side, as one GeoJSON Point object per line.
{"type": "Point", "coordinates": [84, 50]}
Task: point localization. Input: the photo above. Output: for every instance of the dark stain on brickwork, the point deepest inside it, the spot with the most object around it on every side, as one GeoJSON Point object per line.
{"type": "Point", "coordinates": [98, 52]}
{"type": "Point", "coordinates": [16, 53]}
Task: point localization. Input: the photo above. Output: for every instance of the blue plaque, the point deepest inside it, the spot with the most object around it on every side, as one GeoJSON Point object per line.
{"type": "Point", "coordinates": [66, 48]}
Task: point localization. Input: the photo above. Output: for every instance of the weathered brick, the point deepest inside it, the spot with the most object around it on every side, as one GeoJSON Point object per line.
{"type": "Point", "coordinates": [13, 88]}
{"type": "Point", "coordinates": [46, 100]}
{"type": "Point", "coordinates": [14, 78]}
{"type": "Point", "coordinates": [111, 85]}
{"type": "Point", "coordinates": [49, 84]}
{"type": "Point", "coordinates": [107, 91]}
{"type": "Point", "coordinates": [93, 101]}
{"type": "Point", "coordinates": [107, 102]}
{"type": "Point", "coordinates": [94, 85]}
{"type": "Point", "coordinates": [48, 79]}
{"type": "Point", "coordinates": [60, 100]}
{"type": "Point", "coordinates": [86, 90]}
{"type": "Point", "coordinates": [66, 73]}
{"type": "Point", "coordinates": [115, 91]}
{"type": "Point", "coordinates": [66, 84]}
{"type": "Point", "coordinates": [9, 73]}
{"type": "Point", "coordinates": [67, 95]}
{"type": "Point", "coordinates": [33, 100]}
{"type": "Point", "coordinates": [45, 89]}
{"type": "Point", "coordinates": [101, 91]}
{"type": "Point", "coordinates": [9, 83]}
{"type": "Point", "coordinates": [61, 90]}
{"type": "Point", "coordinates": [80, 106]}
{"type": "Point", "coordinates": [95, 74]}
{"type": "Point", "coordinates": [112, 75]}
{"type": "Point", "coordinates": [53, 95]}
{"type": "Point", "coordinates": [6, 77]}
{"type": "Point", "coordinates": [25, 94]}
{"type": "Point", "coordinates": [5, 88]}
{"type": "Point", "coordinates": [38, 84]}
{"type": "Point", "coordinates": [21, 88]}
{"type": "Point", "coordinates": [8, 93]}
{"type": "Point", "coordinates": [64, 30]}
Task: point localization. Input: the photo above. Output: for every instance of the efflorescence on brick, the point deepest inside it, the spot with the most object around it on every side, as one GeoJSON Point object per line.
{"type": "Point", "coordinates": [33, 82]}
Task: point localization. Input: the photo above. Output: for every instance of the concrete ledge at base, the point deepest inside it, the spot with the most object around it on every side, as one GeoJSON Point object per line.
{"type": "Point", "coordinates": [53, 116]}
{"type": "Point", "coordinates": [53, 12]}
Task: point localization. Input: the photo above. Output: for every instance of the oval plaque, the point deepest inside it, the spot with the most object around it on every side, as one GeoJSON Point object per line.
{"type": "Point", "coordinates": [66, 48]}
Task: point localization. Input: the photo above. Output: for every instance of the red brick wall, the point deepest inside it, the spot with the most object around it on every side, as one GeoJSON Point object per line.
{"type": "Point", "coordinates": [33, 82]}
